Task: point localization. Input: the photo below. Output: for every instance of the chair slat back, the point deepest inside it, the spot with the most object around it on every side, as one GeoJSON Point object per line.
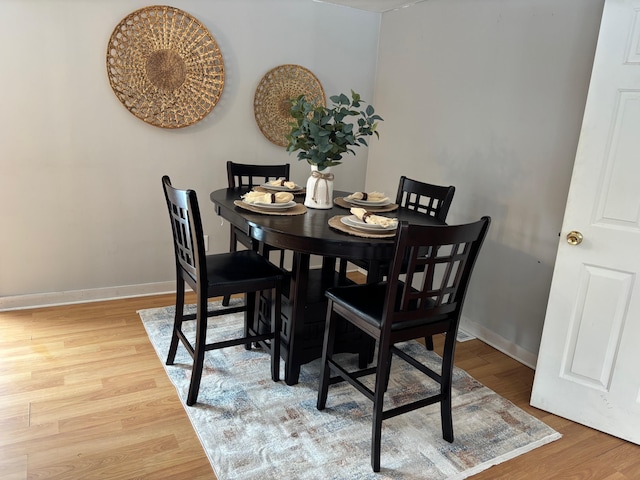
{"type": "Point", "coordinates": [432, 200]}
{"type": "Point", "coordinates": [186, 225]}
{"type": "Point", "coordinates": [246, 175]}
{"type": "Point", "coordinates": [431, 269]}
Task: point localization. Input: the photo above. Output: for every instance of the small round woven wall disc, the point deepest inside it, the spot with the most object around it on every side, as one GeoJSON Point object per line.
{"type": "Point", "coordinates": [272, 101]}
{"type": "Point", "coordinates": [165, 67]}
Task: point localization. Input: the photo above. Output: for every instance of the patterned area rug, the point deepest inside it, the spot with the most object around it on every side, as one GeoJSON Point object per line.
{"type": "Point", "coordinates": [253, 428]}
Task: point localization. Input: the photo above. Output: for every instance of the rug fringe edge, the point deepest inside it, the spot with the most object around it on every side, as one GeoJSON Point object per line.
{"type": "Point", "coordinates": [507, 456]}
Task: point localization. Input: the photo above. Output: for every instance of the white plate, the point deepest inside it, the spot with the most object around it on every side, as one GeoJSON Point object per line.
{"type": "Point", "coordinates": [366, 203]}
{"type": "Point", "coordinates": [355, 222]}
{"type": "Point", "coordinates": [281, 188]}
{"type": "Point", "coordinates": [272, 206]}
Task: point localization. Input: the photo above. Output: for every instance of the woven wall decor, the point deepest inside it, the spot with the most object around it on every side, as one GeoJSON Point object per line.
{"type": "Point", "coordinates": [272, 101]}
{"type": "Point", "coordinates": [165, 67]}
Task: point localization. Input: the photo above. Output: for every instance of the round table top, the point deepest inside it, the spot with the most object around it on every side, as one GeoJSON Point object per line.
{"type": "Point", "coordinates": [310, 232]}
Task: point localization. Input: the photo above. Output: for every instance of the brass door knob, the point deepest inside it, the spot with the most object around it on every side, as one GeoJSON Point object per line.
{"type": "Point", "coordinates": [574, 238]}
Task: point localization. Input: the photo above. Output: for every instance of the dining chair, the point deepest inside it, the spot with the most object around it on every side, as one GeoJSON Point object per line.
{"type": "Point", "coordinates": [249, 176]}
{"type": "Point", "coordinates": [437, 262]}
{"type": "Point", "coordinates": [426, 198]}
{"type": "Point", "coordinates": [432, 200]}
{"type": "Point", "coordinates": [243, 272]}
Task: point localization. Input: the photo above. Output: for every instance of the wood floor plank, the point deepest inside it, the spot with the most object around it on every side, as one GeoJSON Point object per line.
{"type": "Point", "coordinates": [14, 468]}
{"type": "Point", "coordinates": [101, 404]}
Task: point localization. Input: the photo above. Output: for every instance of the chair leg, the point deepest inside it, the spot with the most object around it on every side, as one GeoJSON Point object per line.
{"type": "Point", "coordinates": [251, 300]}
{"type": "Point", "coordinates": [177, 321]}
{"type": "Point", "coordinates": [386, 385]}
{"type": "Point", "coordinates": [428, 341]}
{"type": "Point", "coordinates": [199, 351]}
{"type": "Point", "coordinates": [233, 246]}
{"type": "Point", "coordinates": [327, 353]}
{"type": "Point", "coordinates": [276, 319]}
{"type": "Point", "coordinates": [447, 377]}
{"type": "Point", "coordinates": [382, 380]}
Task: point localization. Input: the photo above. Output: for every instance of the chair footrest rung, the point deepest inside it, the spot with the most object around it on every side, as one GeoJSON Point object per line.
{"type": "Point", "coordinates": [412, 406]}
{"type": "Point", "coordinates": [225, 311]}
{"type": "Point", "coordinates": [238, 341]}
{"type": "Point", "coordinates": [357, 374]}
{"type": "Point", "coordinates": [216, 313]}
{"type": "Point", "coordinates": [352, 378]}
{"type": "Point", "coordinates": [186, 343]}
{"type": "Point", "coordinates": [415, 363]}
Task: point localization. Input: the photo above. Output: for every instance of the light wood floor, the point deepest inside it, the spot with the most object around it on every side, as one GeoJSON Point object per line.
{"type": "Point", "coordinates": [83, 395]}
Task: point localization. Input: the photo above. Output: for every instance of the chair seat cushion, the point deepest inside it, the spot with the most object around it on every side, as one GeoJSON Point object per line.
{"type": "Point", "coordinates": [226, 269]}
{"type": "Point", "coordinates": [367, 301]}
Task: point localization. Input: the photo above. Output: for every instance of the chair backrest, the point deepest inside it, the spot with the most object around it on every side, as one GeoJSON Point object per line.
{"type": "Point", "coordinates": [436, 281]}
{"type": "Point", "coordinates": [245, 175]}
{"type": "Point", "coordinates": [432, 200]}
{"type": "Point", "coordinates": [188, 237]}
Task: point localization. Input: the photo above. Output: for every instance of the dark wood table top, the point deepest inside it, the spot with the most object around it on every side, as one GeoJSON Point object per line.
{"type": "Point", "coordinates": [310, 233]}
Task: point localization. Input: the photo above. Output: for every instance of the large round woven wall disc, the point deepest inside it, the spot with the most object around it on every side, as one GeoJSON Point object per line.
{"type": "Point", "coordinates": [165, 67]}
{"type": "Point", "coordinates": [272, 101]}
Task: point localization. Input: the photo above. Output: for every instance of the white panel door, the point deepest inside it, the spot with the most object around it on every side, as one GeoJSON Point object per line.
{"type": "Point", "coordinates": [589, 361]}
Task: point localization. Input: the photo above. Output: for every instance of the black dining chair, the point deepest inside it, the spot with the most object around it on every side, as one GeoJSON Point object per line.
{"type": "Point", "coordinates": [436, 263]}
{"type": "Point", "coordinates": [243, 272]}
{"type": "Point", "coordinates": [249, 176]}
{"type": "Point", "coordinates": [431, 200]}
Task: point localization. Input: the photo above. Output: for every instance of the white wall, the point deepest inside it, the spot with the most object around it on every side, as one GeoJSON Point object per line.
{"type": "Point", "coordinates": [82, 204]}
{"type": "Point", "coordinates": [488, 95]}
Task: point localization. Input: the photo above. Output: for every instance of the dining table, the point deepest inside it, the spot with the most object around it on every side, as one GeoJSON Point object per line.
{"type": "Point", "coordinates": [314, 232]}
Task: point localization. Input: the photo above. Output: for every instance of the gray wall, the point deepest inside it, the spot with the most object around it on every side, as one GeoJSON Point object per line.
{"type": "Point", "coordinates": [83, 212]}
{"type": "Point", "coordinates": [488, 96]}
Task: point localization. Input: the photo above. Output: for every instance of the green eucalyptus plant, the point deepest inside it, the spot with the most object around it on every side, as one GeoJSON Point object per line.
{"type": "Point", "coordinates": [323, 134]}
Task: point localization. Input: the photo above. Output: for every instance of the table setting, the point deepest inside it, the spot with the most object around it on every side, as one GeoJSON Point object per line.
{"type": "Point", "coordinates": [374, 201]}
{"type": "Point", "coordinates": [277, 197]}
{"type": "Point", "coordinates": [280, 185]}
{"type": "Point", "coordinates": [364, 221]}
{"type": "Point", "coordinates": [279, 202]}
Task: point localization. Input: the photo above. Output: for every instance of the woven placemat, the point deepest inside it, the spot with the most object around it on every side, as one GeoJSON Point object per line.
{"type": "Point", "coordinates": [165, 67]}
{"type": "Point", "coordinates": [272, 100]}
{"type": "Point", "coordinates": [341, 202]}
{"type": "Point", "coordinates": [299, 209]}
{"type": "Point", "coordinates": [334, 222]}
{"type": "Point", "coordinates": [268, 190]}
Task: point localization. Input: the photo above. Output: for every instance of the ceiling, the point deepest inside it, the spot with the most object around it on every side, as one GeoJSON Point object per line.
{"type": "Point", "coordinates": [374, 5]}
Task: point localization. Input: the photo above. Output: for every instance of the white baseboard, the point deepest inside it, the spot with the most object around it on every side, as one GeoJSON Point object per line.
{"type": "Point", "coordinates": [21, 302]}
{"type": "Point", "coordinates": [499, 343]}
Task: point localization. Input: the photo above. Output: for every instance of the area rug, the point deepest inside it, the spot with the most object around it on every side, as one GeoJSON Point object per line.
{"type": "Point", "coordinates": [253, 428]}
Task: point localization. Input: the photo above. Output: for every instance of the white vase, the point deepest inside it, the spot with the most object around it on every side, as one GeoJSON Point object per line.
{"type": "Point", "coordinates": [319, 189]}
